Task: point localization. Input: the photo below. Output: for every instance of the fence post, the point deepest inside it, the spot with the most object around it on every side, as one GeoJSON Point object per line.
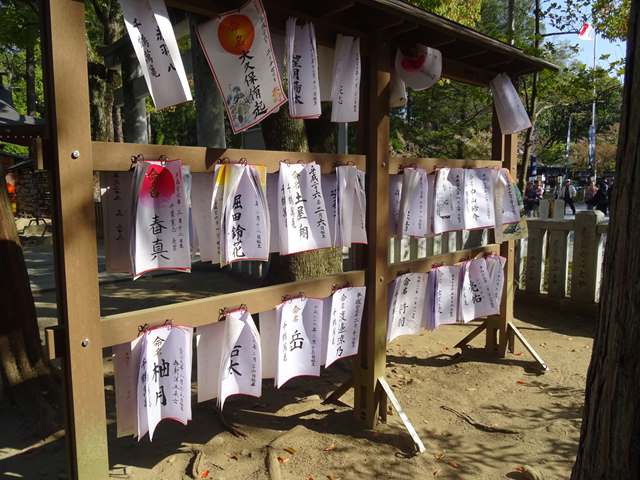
{"type": "Point", "coordinates": [558, 262]}
{"type": "Point", "coordinates": [543, 209]}
{"type": "Point", "coordinates": [558, 209]}
{"type": "Point", "coordinates": [585, 256]}
{"type": "Point", "coordinates": [535, 247]}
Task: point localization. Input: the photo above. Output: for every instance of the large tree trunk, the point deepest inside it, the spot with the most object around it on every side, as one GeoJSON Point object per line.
{"type": "Point", "coordinates": [24, 375]}
{"type": "Point", "coordinates": [610, 439]}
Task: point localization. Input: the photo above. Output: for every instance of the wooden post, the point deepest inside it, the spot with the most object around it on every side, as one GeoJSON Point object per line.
{"type": "Point", "coordinates": [585, 256]}
{"type": "Point", "coordinates": [75, 236]}
{"type": "Point", "coordinates": [373, 342]}
{"type": "Point", "coordinates": [504, 147]}
{"type": "Point", "coordinates": [558, 263]}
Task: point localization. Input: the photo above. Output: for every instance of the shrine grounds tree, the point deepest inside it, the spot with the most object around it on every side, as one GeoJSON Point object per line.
{"type": "Point", "coordinates": [610, 439]}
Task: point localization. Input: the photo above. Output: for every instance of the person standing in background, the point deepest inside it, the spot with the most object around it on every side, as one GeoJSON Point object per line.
{"type": "Point", "coordinates": [567, 192]}
{"type": "Point", "coordinates": [589, 193]}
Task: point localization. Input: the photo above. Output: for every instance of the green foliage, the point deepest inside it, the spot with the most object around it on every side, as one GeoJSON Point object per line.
{"type": "Point", "coordinates": [467, 13]}
{"type": "Point", "coordinates": [609, 17]}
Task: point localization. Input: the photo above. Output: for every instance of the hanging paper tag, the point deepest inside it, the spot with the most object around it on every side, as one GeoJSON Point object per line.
{"type": "Point", "coordinates": [448, 213]}
{"type": "Point", "coordinates": [116, 214]}
{"type": "Point", "coordinates": [237, 45]}
{"type": "Point", "coordinates": [447, 285]}
{"type": "Point", "coordinates": [161, 228]}
{"type": "Point", "coordinates": [302, 63]}
{"type": "Point", "coordinates": [414, 202]}
{"type": "Point", "coordinates": [345, 88]}
{"type": "Point", "coordinates": [330, 194]}
{"type": "Point", "coordinates": [272, 202]}
{"type": "Point", "coordinates": [202, 215]}
{"type": "Point", "coordinates": [406, 306]}
{"type": "Point", "coordinates": [155, 45]}
{"type": "Point", "coordinates": [209, 344]}
{"type": "Point", "coordinates": [495, 266]}
{"type": "Point", "coordinates": [512, 115]}
{"type": "Point", "coordinates": [476, 293]}
{"type": "Point", "coordinates": [126, 365]}
{"type": "Point", "coordinates": [479, 198]}
{"type": "Point", "coordinates": [350, 207]}
{"type": "Point", "coordinates": [164, 379]}
{"type": "Point", "coordinates": [299, 347]}
{"type": "Point", "coordinates": [347, 306]}
{"type": "Point", "coordinates": [395, 194]}
{"type": "Point", "coordinates": [245, 218]}
{"type": "Point", "coordinates": [302, 216]}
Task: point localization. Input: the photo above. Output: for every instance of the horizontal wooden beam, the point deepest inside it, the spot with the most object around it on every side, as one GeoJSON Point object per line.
{"type": "Point", "coordinates": [396, 163]}
{"type": "Point", "coordinates": [123, 327]}
{"type": "Point", "coordinates": [116, 157]}
{"type": "Point", "coordinates": [422, 265]}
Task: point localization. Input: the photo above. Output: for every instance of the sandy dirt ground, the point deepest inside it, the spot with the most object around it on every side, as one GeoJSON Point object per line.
{"type": "Point", "coordinates": [308, 440]}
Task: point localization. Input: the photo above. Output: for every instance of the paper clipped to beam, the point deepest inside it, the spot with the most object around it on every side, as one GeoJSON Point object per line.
{"type": "Point", "coordinates": [407, 304]}
{"type": "Point", "coordinates": [156, 48]}
{"type": "Point", "coordinates": [345, 88]}
{"type": "Point", "coordinates": [302, 66]}
{"type": "Point", "coordinates": [345, 320]}
{"type": "Point", "coordinates": [238, 47]}
{"type": "Point", "coordinates": [448, 213]}
{"type": "Point", "coordinates": [479, 198]}
{"type": "Point", "coordinates": [116, 217]}
{"type": "Point", "coordinates": [512, 115]}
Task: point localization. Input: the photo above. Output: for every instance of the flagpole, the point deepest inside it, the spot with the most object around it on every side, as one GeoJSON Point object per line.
{"type": "Point", "coordinates": [567, 151]}
{"type": "Point", "coordinates": [593, 107]}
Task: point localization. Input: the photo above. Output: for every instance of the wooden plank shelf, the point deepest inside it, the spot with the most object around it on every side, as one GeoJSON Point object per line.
{"type": "Point", "coordinates": [421, 265]}
{"type": "Point", "coordinates": [397, 162]}
{"type": "Point", "coordinates": [116, 157]}
{"type": "Point", "coordinates": [123, 327]}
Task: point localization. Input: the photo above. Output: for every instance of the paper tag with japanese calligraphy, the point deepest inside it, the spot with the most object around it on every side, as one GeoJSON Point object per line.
{"type": "Point", "coordinates": [350, 207]}
{"type": "Point", "coordinates": [347, 306]}
{"type": "Point", "coordinates": [302, 66]}
{"type": "Point", "coordinates": [406, 305]}
{"type": "Point", "coordinates": [209, 346]}
{"type": "Point", "coordinates": [238, 46]}
{"type": "Point", "coordinates": [126, 365]}
{"type": "Point", "coordinates": [478, 198]}
{"type": "Point", "coordinates": [511, 223]}
{"type": "Point", "coordinates": [269, 331]}
{"type": "Point", "coordinates": [203, 217]}
{"type": "Point", "coordinates": [116, 216]}
{"type": "Point", "coordinates": [330, 194]}
{"type": "Point", "coordinates": [448, 212]}
{"type": "Point", "coordinates": [495, 266]}
{"type": "Point", "coordinates": [299, 340]}
{"type": "Point", "coordinates": [160, 239]}
{"type": "Point", "coordinates": [476, 294]}
{"type": "Point", "coordinates": [274, 208]}
{"type": "Point", "coordinates": [447, 287]}
{"type": "Point", "coordinates": [164, 378]}
{"type": "Point", "coordinates": [155, 45]}
{"type": "Point", "coordinates": [395, 194]}
{"type": "Point", "coordinates": [414, 202]}
{"type": "Point", "coordinates": [241, 360]}
{"type": "Point", "coordinates": [302, 218]}
{"type": "Point", "coordinates": [345, 88]}
{"type": "Point", "coordinates": [429, 317]}
{"type": "Point", "coordinates": [245, 217]}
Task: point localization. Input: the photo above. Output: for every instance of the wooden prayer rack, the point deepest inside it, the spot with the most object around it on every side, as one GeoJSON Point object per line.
{"type": "Point", "coordinates": [83, 333]}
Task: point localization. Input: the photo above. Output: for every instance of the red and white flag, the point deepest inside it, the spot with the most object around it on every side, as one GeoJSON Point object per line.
{"type": "Point", "coordinates": [586, 32]}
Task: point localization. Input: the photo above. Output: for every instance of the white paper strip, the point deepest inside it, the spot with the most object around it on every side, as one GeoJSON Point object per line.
{"type": "Point", "coordinates": [238, 47]}
{"type": "Point", "coordinates": [350, 207]}
{"type": "Point", "coordinates": [476, 292]}
{"type": "Point", "coordinates": [116, 214]}
{"type": "Point", "coordinates": [272, 202]}
{"type": "Point", "coordinates": [347, 306]}
{"type": "Point", "coordinates": [302, 216]}
{"type": "Point", "coordinates": [302, 63]}
{"type": "Point", "coordinates": [407, 303]}
{"type": "Point", "coordinates": [448, 213]}
{"type": "Point", "coordinates": [202, 215]}
{"type": "Point", "coordinates": [330, 194]}
{"type": "Point", "coordinates": [210, 343]}
{"type": "Point", "coordinates": [299, 341]}
{"type": "Point", "coordinates": [395, 194]}
{"type": "Point", "coordinates": [345, 88]}
{"type": "Point", "coordinates": [126, 364]}
{"type": "Point", "coordinates": [155, 45]}
{"type": "Point", "coordinates": [512, 115]}
{"type": "Point", "coordinates": [164, 379]}
{"type": "Point", "coordinates": [414, 202]}
{"type": "Point", "coordinates": [511, 197]}
{"type": "Point", "coordinates": [478, 198]}
{"type": "Point", "coordinates": [161, 231]}
{"type": "Point", "coordinates": [447, 287]}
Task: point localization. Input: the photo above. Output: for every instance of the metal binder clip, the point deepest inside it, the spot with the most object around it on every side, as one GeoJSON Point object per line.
{"type": "Point", "coordinates": [135, 159]}
{"type": "Point", "coordinates": [286, 298]}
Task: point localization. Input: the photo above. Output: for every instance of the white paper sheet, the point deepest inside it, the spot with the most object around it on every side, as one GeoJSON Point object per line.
{"type": "Point", "coordinates": [476, 292]}
{"type": "Point", "coordinates": [161, 228]}
{"type": "Point", "coordinates": [347, 306]}
{"type": "Point", "coordinates": [245, 217]}
{"type": "Point", "coordinates": [429, 317]}
{"type": "Point", "coordinates": [154, 43]}
{"type": "Point", "coordinates": [511, 198]}
{"type": "Point", "coordinates": [495, 266]}
{"type": "Point", "coordinates": [447, 287]}
{"type": "Point", "coordinates": [241, 360]}
{"type": "Point", "coordinates": [395, 194]}
{"type": "Point", "coordinates": [302, 218]}
{"type": "Point", "coordinates": [116, 215]}
{"type": "Point", "coordinates": [302, 64]}
{"type": "Point", "coordinates": [238, 47]}
{"type": "Point", "coordinates": [406, 305]}
{"type": "Point", "coordinates": [350, 225]}
{"type": "Point", "coordinates": [414, 202]}
{"type": "Point", "coordinates": [210, 343]}
{"type": "Point", "coordinates": [299, 341]}
{"type": "Point", "coordinates": [431, 203]}
{"type": "Point", "coordinates": [272, 202]}
{"type": "Point", "coordinates": [126, 364]}
{"type": "Point", "coordinates": [330, 194]}
{"type": "Point", "coordinates": [164, 379]}
{"type": "Point", "coordinates": [478, 198]}
{"type": "Point", "coordinates": [202, 215]}
{"type": "Point", "coordinates": [345, 88]}
{"type": "Point", "coordinates": [448, 212]}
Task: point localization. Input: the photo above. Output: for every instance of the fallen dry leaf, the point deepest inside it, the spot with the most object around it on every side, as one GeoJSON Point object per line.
{"type": "Point", "coordinates": [283, 459]}
{"type": "Point", "coordinates": [519, 469]}
{"type": "Point", "coordinates": [520, 382]}
{"type": "Point", "coordinates": [331, 477]}
{"type": "Point", "coordinates": [436, 472]}
{"type": "Point", "coordinates": [232, 456]}
{"type": "Point", "coordinates": [290, 450]}
{"type": "Point", "coordinates": [330, 448]}
{"type": "Point", "coordinates": [439, 456]}
{"type": "Point", "coordinates": [205, 474]}
{"type": "Point", "coordinates": [453, 464]}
